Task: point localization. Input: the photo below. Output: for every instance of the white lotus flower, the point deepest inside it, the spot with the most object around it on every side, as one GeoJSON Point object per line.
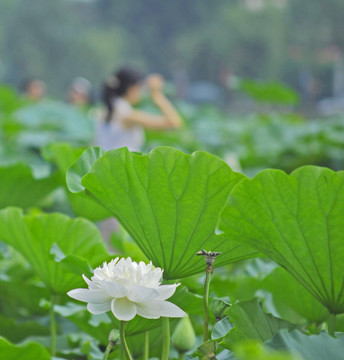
{"type": "Point", "coordinates": [128, 288]}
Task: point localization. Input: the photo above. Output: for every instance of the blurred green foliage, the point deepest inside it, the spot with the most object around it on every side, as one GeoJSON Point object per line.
{"type": "Point", "coordinates": [44, 252]}
{"type": "Point", "coordinates": [277, 40]}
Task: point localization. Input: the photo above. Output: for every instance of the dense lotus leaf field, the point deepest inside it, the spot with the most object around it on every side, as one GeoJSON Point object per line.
{"type": "Point", "coordinates": [275, 291]}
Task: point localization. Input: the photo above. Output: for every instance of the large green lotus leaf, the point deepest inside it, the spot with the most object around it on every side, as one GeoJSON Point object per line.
{"type": "Point", "coordinates": [18, 187]}
{"type": "Point", "coordinates": [49, 121]}
{"type": "Point", "coordinates": [10, 100]}
{"type": "Point", "coordinates": [241, 281]}
{"type": "Point", "coordinates": [270, 92]}
{"type": "Point", "coordinates": [98, 326]}
{"type": "Point", "coordinates": [81, 167]}
{"type": "Point", "coordinates": [254, 350]}
{"type": "Point", "coordinates": [84, 206]}
{"type": "Point", "coordinates": [58, 248]}
{"type": "Point", "coordinates": [14, 270]}
{"type": "Point", "coordinates": [64, 155]}
{"type": "Point", "coordinates": [251, 323]}
{"type": "Point", "coordinates": [17, 331]}
{"type": "Point", "coordinates": [29, 351]}
{"type": "Point", "coordinates": [167, 201]}
{"type": "Point", "coordinates": [313, 347]}
{"type": "Point", "coordinates": [220, 329]}
{"type": "Point", "coordinates": [288, 294]}
{"type": "Point", "coordinates": [298, 221]}
{"type": "Point", "coordinates": [11, 290]}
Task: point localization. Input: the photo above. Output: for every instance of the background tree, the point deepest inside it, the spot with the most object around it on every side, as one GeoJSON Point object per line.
{"type": "Point", "coordinates": [297, 42]}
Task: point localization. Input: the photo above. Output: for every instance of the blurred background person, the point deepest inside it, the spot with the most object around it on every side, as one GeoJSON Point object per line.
{"type": "Point", "coordinates": [123, 125]}
{"type": "Point", "coordinates": [34, 89]}
{"type": "Point", "coordinates": [80, 92]}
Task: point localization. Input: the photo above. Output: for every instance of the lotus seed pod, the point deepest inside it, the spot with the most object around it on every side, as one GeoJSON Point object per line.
{"type": "Point", "coordinates": [184, 337]}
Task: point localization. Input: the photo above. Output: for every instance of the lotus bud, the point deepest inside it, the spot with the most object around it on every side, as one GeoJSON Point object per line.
{"type": "Point", "coordinates": [219, 307]}
{"type": "Point", "coordinates": [114, 336]}
{"type": "Point", "coordinates": [184, 337]}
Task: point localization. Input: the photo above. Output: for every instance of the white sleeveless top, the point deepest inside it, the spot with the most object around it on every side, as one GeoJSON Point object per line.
{"type": "Point", "coordinates": [114, 134]}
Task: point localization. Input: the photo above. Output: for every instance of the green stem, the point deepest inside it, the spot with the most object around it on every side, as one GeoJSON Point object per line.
{"type": "Point", "coordinates": [166, 338]}
{"type": "Point", "coordinates": [146, 347]}
{"type": "Point", "coordinates": [206, 304]}
{"type": "Point", "coordinates": [123, 341]}
{"type": "Point", "coordinates": [181, 356]}
{"type": "Point", "coordinates": [121, 353]}
{"type": "Point", "coordinates": [108, 349]}
{"type": "Point", "coordinates": [53, 326]}
{"type": "Point", "coordinates": [332, 324]}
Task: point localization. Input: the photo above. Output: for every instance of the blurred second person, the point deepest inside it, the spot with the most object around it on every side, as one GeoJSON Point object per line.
{"type": "Point", "coordinates": [79, 92]}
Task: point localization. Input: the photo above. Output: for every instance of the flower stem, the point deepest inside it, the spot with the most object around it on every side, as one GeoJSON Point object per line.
{"type": "Point", "coordinates": [123, 341]}
{"type": "Point", "coordinates": [332, 324]}
{"type": "Point", "coordinates": [146, 348]}
{"type": "Point", "coordinates": [166, 338]}
{"type": "Point", "coordinates": [206, 303]}
{"type": "Point", "coordinates": [108, 349]}
{"type": "Point", "coordinates": [53, 326]}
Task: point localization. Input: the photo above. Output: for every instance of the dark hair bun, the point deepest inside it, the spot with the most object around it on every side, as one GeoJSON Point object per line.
{"type": "Point", "coordinates": [118, 85]}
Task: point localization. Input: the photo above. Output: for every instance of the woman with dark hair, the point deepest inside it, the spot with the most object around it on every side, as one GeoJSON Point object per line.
{"type": "Point", "coordinates": [122, 124]}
